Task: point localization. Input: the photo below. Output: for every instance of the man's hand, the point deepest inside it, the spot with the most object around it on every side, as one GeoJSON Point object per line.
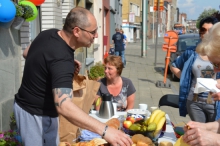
{"type": "Point", "coordinates": [192, 124]}
{"type": "Point", "coordinates": [116, 137]}
{"type": "Point", "coordinates": [200, 137]}
{"type": "Point", "coordinates": [77, 67]}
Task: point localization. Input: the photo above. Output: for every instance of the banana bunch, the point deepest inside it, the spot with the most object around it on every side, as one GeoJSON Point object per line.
{"type": "Point", "coordinates": [157, 117]}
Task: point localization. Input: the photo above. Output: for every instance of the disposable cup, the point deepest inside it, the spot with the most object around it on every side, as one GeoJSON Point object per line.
{"type": "Point", "coordinates": [143, 106]}
{"type": "Point", "coordinates": [153, 108]}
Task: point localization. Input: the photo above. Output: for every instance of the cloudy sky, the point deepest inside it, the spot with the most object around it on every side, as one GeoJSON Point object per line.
{"type": "Point", "coordinates": [193, 8]}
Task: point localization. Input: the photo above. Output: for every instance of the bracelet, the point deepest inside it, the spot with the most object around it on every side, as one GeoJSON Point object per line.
{"type": "Point", "coordinates": [103, 134]}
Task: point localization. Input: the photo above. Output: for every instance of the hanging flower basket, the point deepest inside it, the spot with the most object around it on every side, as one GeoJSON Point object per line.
{"type": "Point", "coordinates": [18, 22]}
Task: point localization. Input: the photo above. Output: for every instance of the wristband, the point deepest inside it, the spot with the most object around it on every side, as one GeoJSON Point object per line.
{"type": "Point", "coordinates": [103, 134]}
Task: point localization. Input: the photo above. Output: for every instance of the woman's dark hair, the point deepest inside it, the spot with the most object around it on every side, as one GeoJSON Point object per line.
{"type": "Point", "coordinates": [209, 19]}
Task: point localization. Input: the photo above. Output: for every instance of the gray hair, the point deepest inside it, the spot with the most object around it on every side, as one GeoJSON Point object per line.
{"type": "Point", "coordinates": [78, 16]}
{"type": "Point", "coordinates": [210, 44]}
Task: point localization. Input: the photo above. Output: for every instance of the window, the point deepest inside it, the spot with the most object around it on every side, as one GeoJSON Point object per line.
{"type": "Point", "coordinates": [135, 9]}
{"type": "Point", "coordinates": [130, 7]}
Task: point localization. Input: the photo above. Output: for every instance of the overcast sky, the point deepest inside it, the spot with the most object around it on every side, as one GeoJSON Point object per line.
{"type": "Point", "coordinates": [193, 8]}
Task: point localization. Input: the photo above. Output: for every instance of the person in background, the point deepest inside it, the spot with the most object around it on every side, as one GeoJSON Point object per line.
{"type": "Point", "coordinates": [125, 42]}
{"type": "Point", "coordinates": [188, 67]}
{"type": "Point", "coordinates": [121, 88]}
{"type": "Point", "coordinates": [207, 134]}
{"type": "Point", "coordinates": [112, 50]}
{"type": "Point", "coordinates": [118, 40]}
{"type": "Point", "coordinates": [46, 89]}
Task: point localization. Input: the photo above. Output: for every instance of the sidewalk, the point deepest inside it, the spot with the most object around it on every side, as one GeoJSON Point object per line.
{"type": "Point", "coordinates": [144, 75]}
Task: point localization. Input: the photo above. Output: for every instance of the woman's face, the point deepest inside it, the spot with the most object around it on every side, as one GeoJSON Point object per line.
{"type": "Point", "coordinates": [205, 28]}
{"type": "Point", "coordinates": [110, 71]}
{"type": "Point", "coordinates": [215, 61]}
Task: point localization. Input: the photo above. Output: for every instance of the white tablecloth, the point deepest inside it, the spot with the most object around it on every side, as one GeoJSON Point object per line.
{"type": "Point", "coordinates": [169, 134]}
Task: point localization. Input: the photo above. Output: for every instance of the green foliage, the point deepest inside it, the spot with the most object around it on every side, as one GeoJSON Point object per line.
{"type": "Point", "coordinates": [97, 71]}
{"type": "Point", "coordinates": [205, 13]}
{"type": "Point", "coordinates": [19, 10]}
{"type": "Point", "coordinates": [28, 12]}
{"type": "Point", "coordinates": [12, 119]}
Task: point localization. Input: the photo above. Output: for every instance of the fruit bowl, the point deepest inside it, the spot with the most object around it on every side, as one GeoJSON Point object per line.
{"type": "Point", "coordinates": [149, 134]}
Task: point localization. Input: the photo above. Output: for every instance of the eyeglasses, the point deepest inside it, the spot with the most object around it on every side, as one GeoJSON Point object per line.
{"type": "Point", "coordinates": [92, 32]}
{"type": "Point", "coordinates": [216, 65]}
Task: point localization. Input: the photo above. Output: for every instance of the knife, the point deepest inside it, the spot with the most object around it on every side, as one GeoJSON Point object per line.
{"type": "Point", "coordinates": [212, 90]}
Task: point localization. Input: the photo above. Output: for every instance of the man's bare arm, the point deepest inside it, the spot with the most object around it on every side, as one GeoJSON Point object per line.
{"type": "Point", "coordinates": [63, 93]}
{"type": "Point", "coordinates": [65, 107]}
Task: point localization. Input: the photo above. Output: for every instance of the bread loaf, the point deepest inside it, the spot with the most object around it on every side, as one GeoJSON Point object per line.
{"type": "Point", "coordinates": [114, 122]}
{"type": "Point", "coordinates": [165, 143]}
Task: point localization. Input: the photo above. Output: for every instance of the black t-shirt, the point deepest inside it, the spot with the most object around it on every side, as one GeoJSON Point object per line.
{"type": "Point", "coordinates": [118, 39]}
{"type": "Point", "coordinates": [49, 64]}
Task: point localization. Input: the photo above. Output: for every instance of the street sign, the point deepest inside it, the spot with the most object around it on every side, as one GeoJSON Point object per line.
{"type": "Point", "coordinates": [171, 37]}
{"type": "Point", "coordinates": [172, 48]}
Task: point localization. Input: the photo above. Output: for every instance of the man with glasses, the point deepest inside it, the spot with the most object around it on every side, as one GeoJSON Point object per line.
{"type": "Point", "coordinates": [46, 89]}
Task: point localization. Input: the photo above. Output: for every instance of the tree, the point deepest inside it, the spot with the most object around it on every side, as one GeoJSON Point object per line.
{"type": "Point", "coordinates": [205, 13]}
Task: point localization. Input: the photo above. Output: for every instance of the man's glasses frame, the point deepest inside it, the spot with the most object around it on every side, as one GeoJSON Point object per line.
{"type": "Point", "coordinates": [92, 32]}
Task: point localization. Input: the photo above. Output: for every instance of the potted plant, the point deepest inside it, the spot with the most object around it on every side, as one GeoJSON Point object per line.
{"type": "Point", "coordinates": [97, 71]}
{"type": "Point", "coordinates": [2, 141]}
{"type": "Point", "coordinates": [10, 138]}
{"type": "Point", "coordinates": [19, 20]}
{"type": "Point", "coordinates": [13, 122]}
{"type": "Point", "coordinates": [23, 12]}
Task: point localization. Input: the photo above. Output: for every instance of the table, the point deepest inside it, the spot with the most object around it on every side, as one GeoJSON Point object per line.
{"type": "Point", "coordinates": [169, 134]}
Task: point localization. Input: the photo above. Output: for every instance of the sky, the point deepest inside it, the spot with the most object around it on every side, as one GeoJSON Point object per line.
{"type": "Point", "coordinates": [193, 8]}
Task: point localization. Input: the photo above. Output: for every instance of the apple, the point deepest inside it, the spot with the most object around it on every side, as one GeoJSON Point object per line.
{"type": "Point", "coordinates": [127, 124]}
{"type": "Point", "coordinates": [132, 119]}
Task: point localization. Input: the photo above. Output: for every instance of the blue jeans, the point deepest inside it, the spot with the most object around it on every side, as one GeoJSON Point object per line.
{"type": "Point", "coordinates": [122, 54]}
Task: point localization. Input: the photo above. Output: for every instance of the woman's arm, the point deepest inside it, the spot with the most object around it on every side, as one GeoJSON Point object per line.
{"type": "Point", "coordinates": [176, 71]}
{"type": "Point", "coordinates": [130, 101]}
{"type": "Point", "coordinates": [26, 52]}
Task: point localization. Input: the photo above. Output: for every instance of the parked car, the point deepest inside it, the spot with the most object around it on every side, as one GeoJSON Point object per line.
{"type": "Point", "coordinates": [185, 41]}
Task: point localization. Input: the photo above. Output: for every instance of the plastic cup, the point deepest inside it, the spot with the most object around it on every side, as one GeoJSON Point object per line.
{"type": "Point", "coordinates": [143, 106]}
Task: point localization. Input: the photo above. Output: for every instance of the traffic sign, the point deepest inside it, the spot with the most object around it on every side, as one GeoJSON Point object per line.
{"type": "Point", "coordinates": [172, 48]}
{"type": "Point", "coordinates": [171, 37]}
